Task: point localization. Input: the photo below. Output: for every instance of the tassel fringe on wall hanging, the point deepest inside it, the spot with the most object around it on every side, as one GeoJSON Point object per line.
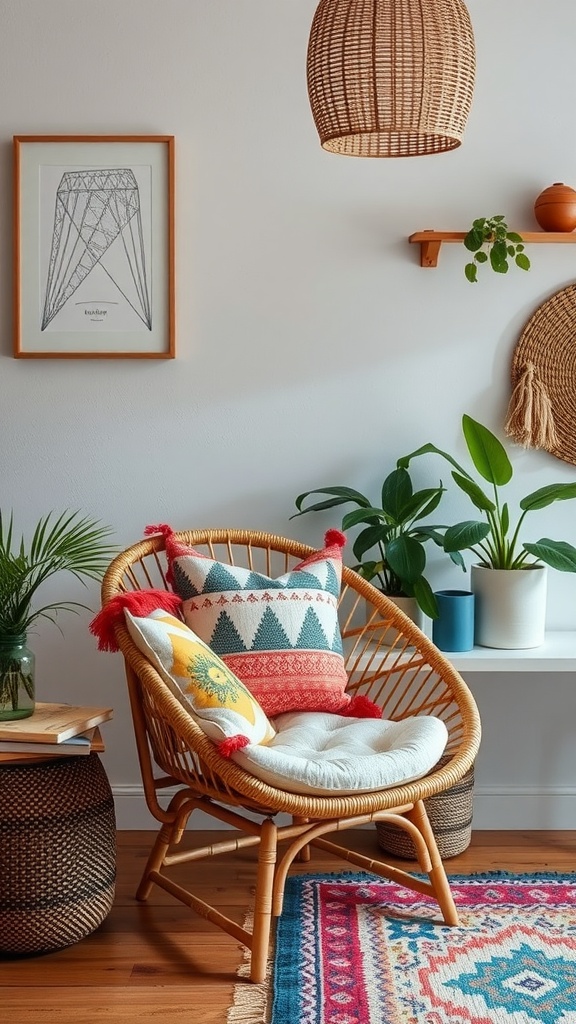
{"type": "Point", "coordinates": [542, 409]}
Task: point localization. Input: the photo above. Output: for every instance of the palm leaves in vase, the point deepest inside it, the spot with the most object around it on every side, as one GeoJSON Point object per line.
{"type": "Point", "coordinates": [69, 542]}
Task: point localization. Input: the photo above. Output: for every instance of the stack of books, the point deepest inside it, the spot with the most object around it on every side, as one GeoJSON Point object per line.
{"type": "Point", "coordinates": [53, 730]}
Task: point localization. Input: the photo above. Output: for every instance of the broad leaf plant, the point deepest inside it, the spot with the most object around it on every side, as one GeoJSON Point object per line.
{"type": "Point", "coordinates": [394, 535]}
{"type": "Point", "coordinates": [495, 539]}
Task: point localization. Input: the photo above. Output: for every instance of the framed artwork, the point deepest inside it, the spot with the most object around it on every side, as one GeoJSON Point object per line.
{"type": "Point", "coordinates": [94, 247]}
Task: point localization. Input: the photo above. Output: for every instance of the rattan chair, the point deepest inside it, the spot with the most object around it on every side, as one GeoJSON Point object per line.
{"type": "Point", "coordinates": [387, 659]}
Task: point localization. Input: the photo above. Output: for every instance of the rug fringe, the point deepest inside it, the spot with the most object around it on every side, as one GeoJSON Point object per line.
{"type": "Point", "coordinates": [250, 1002]}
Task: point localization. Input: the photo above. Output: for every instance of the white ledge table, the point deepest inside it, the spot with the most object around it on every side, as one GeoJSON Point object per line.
{"type": "Point", "coordinates": [556, 654]}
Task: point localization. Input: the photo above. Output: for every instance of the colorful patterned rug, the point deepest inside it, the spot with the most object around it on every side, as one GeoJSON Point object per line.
{"type": "Point", "coordinates": [352, 949]}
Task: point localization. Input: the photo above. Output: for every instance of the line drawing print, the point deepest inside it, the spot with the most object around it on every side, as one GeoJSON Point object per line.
{"type": "Point", "coordinates": [97, 222]}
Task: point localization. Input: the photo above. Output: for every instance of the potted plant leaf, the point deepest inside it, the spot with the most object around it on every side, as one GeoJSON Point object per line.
{"type": "Point", "coordinates": [390, 549]}
{"type": "Point", "coordinates": [506, 565]}
{"type": "Point", "coordinates": [492, 243]}
{"type": "Point", "coordinates": [68, 542]}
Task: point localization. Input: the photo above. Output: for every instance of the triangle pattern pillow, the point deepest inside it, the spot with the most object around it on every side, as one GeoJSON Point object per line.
{"type": "Point", "coordinates": [281, 636]}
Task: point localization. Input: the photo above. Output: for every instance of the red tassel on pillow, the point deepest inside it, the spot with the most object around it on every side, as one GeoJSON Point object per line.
{"type": "Point", "coordinates": [227, 747]}
{"type": "Point", "coordinates": [335, 537]}
{"type": "Point", "coordinates": [361, 707]}
{"type": "Point", "coordinates": [173, 547]}
{"type": "Point", "coordinates": [162, 528]}
{"type": "Point", "coordinates": [138, 602]}
{"type": "Point", "coordinates": [334, 541]}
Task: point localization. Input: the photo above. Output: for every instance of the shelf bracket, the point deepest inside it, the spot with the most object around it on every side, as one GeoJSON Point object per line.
{"type": "Point", "coordinates": [430, 243]}
{"type": "Point", "coordinates": [429, 252]}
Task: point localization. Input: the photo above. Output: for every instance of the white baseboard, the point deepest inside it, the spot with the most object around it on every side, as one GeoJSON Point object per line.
{"type": "Point", "coordinates": [525, 807]}
{"type": "Point", "coordinates": [502, 807]}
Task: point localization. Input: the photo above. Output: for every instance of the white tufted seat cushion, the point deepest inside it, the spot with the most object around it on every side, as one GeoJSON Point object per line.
{"type": "Point", "coordinates": [318, 753]}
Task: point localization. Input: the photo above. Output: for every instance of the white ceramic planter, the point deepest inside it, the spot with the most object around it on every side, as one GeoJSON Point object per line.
{"type": "Point", "coordinates": [510, 607]}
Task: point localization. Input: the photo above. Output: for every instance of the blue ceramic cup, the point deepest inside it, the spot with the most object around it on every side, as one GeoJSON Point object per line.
{"type": "Point", "coordinates": [453, 630]}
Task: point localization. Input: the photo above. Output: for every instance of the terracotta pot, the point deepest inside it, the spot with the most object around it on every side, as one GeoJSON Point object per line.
{"type": "Point", "coordinates": [555, 208]}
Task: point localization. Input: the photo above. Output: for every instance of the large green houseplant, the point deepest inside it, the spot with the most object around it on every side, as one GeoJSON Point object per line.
{"type": "Point", "coordinates": [390, 549]}
{"type": "Point", "coordinates": [69, 542]}
{"type": "Point", "coordinates": [495, 539]}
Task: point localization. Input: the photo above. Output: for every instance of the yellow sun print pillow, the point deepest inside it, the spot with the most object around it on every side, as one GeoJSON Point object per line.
{"type": "Point", "coordinates": [219, 702]}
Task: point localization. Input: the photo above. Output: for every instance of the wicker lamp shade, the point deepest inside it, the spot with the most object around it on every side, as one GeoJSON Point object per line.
{"type": "Point", "coordinates": [391, 77]}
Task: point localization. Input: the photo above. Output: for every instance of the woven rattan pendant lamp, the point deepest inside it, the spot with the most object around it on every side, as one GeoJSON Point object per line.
{"type": "Point", "coordinates": [391, 77]}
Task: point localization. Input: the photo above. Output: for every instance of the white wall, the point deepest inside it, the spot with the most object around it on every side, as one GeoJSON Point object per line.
{"type": "Point", "coordinates": [311, 346]}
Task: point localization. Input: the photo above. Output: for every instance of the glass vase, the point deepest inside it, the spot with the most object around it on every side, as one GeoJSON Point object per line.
{"type": "Point", "coordinates": [16, 679]}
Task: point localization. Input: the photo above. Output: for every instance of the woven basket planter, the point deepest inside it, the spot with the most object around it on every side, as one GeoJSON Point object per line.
{"type": "Point", "coordinates": [57, 853]}
{"type": "Point", "coordinates": [450, 815]}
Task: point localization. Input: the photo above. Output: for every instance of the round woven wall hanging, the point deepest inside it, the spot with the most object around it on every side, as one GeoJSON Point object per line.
{"type": "Point", "coordinates": [542, 410]}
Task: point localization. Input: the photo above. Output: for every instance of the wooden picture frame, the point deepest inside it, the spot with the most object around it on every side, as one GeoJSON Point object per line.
{"type": "Point", "coordinates": [94, 247]}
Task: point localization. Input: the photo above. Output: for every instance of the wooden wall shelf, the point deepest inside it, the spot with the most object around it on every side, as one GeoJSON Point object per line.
{"type": "Point", "coordinates": [430, 241]}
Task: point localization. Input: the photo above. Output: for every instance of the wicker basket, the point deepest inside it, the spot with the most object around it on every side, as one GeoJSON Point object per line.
{"type": "Point", "coordinates": [57, 853]}
{"type": "Point", "coordinates": [450, 816]}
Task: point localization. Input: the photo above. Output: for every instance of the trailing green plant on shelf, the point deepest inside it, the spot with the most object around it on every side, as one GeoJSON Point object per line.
{"type": "Point", "coordinates": [496, 539]}
{"type": "Point", "coordinates": [69, 542]}
{"type": "Point", "coordinates": [493, 243]}
{"type": "Point", "coordinates": [394, 536]}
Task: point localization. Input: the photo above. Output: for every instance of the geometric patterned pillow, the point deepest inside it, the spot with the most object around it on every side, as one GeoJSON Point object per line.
{"type": "Point", "coordinates": [219, 702]}
{"type": "Point", "coordinates": [281, 636]}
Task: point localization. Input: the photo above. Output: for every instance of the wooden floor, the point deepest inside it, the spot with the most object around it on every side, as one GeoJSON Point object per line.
{"type": "Point", "coordinates": [158, 963]}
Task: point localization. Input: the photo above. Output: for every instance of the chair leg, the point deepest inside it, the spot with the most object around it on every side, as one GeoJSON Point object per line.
{"type": "Point", "coordinates": [263, 900]}
{"type": "Point", "coordinates": [304, 855]}
{"type": "Point", "coordinates": [178, 812]}
{"type": "Point", "coordinates": [436, 872]}
{"type": "Point", "coordinates": [154, 862]}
